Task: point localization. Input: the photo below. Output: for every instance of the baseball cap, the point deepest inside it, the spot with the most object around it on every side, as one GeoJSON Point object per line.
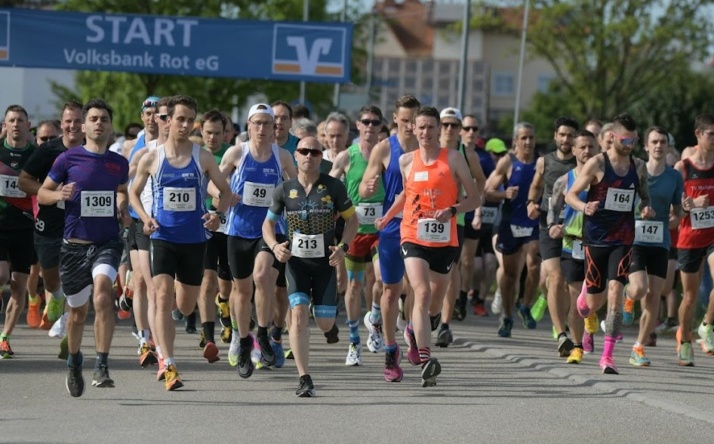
{"type": "Point", "coordinates": [451, 112]}
{"type": "Point", "coordinates": [261, 108]}
{"type": "Point", "coordinates": [496, 146]}
{"type": "Point", "coordinates": [150, 102]}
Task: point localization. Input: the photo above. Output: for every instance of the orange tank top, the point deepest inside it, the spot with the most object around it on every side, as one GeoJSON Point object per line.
{"type": "Point", "coordinates": [429, 188]}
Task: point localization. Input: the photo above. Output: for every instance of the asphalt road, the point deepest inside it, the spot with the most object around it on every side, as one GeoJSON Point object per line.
{"type": "Point", "coordinates": [491, 389]}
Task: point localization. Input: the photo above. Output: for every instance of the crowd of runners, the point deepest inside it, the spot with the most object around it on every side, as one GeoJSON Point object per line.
{"type": "Point", "coordinates": [410, 225]}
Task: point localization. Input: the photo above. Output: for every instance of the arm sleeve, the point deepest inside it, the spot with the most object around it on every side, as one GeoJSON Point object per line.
{"type": "Point", "coordinates": [343, 203]}
{"type": "Point", "coordinates": [58, 172]}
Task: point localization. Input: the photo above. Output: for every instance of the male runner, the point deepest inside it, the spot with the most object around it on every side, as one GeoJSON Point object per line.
{"type": "Point", "coordinates": [283, 122]}
{"type": "Point", "coordinates": [92, 183]}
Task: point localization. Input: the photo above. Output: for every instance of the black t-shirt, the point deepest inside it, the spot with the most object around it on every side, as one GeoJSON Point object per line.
{"type": "Point", "coordinates": [50, 218]}
{"type": "Point", "coordinates": [15, 206]}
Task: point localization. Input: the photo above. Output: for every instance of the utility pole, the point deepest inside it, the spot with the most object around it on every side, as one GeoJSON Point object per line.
{"type": "Point", "coordinates": [461, 100]}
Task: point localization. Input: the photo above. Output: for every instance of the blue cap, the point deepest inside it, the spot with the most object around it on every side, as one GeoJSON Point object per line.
{"type": "Point", "coordinates": [150, 102]}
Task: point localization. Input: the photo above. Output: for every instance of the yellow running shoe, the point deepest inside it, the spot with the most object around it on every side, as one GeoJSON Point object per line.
{"type": "Point", "coordinates": [576, 356]}
{"type": "Point", "coordinates": [591, 323]}
{"type": "Point", "coordinates": [172, 380]}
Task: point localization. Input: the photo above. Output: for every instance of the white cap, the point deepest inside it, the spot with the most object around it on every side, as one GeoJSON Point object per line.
{"type": "Point", "coordinates": [451, 112]}
{"type": "Point", "coordinates": [261, 108]}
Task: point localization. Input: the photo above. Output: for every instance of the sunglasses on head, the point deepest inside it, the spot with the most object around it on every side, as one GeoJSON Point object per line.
{"type": "Point", "coordinates": [149, 103]}
{"type": "Point", "coordinates": [314, 152]}
{"type": "Point", "coordinates": [468, 129]}
{"type": "Point", "coordinates": [367, 122]}
{"type": "Point", "coordinates": [627, 141]}
{"type": "Point", "coordinates": [47, 138]}
{"type": "Point", "coordinates": [450, 125]}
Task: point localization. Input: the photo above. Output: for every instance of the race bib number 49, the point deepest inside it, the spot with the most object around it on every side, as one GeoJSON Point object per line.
{"type": "Point", "coordinates": [702, 218]}
{"type": "Point", "coordinates": [97, 204]}
{"type": "Point", "coordinates": [431, 230]}
{"type": "Point", "coordinates": [258, 194]}
{"type": "Point", "coordinates": [179, 199]}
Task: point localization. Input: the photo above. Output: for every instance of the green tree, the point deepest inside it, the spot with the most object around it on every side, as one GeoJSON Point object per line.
{"type": "Point", "coordinates": [125, 91]}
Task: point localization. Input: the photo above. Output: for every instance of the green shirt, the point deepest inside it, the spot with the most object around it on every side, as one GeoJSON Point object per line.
{"type": "Point", "coordinates": [367, 209]}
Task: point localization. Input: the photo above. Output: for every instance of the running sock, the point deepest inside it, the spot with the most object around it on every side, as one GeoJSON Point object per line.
{"type": "Point", "coordinates": [462, 295]}
{"type": "Point", "coordinates": [410, 329]}
{"type": "Point", "coordinates": [209, 329]}
{"type": "Point", "coordinates": [245, 342]}
{"type": "Point", "coordinates": [562, 334]}
{"type": "Point", "coordinates": [143, 337]}
{"type": "Point", "coordinates": [169, 361]}
{"type": "Point", "coordinates": [74, 360]}
{"type": "Point", "coordinates": [221, 298]}
{"type": "Point", "coordinates": [102, 359]}
{"type": "Point", "coordinates": [608, 346]}
{"type": "Point", "coordinates": [354, 331]}
{"type": "Point", "coordinates": [4, 337]}
{"type": "Point", "coordinates": [424, 354]}
{"type": "Point", "coordinates": [32, 299]}
{"type": "Point", "coordinates": [637, 344]}
{"type": "Point", "coordinates": [444, 326]}
{"type": "Point", "coordinates": [277, 333]}
{"type": "Point", "coordinates": [262, 332]}
{"type": "Point", "coordinates": [158, 351]}
{"type": "Point", "coordinates": [435, 320]}
{"type": "Point", "coordinates": [375, 316]}
{"type": "Point", "coordinates": [390, 348]}
{"type": "Point", "coordinates": [578, 345]}
{"type": "Point", "coordinates": [234, 324]}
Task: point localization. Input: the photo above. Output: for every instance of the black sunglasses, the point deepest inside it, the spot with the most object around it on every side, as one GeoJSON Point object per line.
{"type": "Point", "coordinates": [367, 122]}
{"type": "Point", "coordinates": [163, 116]}
{"type": "Point", "coordinates": [47, 138]}
{"type": "Point", "coordinates": [314, 152]}
{"type": "Point", "coordinates": [470, 128]}
{"type": "Point", "coordinates": [450, 125]}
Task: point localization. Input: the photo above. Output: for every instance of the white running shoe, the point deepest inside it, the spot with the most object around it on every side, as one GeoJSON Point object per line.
{"type": "Point", "coordinates": [707, 338]}
{"type": "Point", "coordinates": [354, 355]}
{"type": "Point", "coordinates": [375, 342]}
{"type": "Point", "coordinates": [58, 329]}
{"type": "Point", "coordinates": [497, 304]}
{"type": "Point", "coordinates": [233, 350]}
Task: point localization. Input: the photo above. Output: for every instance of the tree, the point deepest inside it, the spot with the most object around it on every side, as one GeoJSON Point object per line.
{"type": "Point", "coordinates": [609, 54]}
{"type": "Point", "coordinates": [125, 91]}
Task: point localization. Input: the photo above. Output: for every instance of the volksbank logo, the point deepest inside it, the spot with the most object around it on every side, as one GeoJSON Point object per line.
{"type": "Point", "coordinates": [308, 50]}
{"type": "Point", "coordinates": [4, 36]}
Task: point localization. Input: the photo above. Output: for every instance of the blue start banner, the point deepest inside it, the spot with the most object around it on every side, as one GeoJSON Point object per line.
{"type": "Point", "coordinates": [314, 52]}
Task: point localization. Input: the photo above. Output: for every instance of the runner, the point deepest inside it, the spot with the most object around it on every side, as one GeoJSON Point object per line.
{"type": "Point", "coordinates": [255, 167]}
{"type": "Point", "coordinates": [178, 222]}
{"type": "Point", "coordinates": [549, 168]}
{"type": "Point", "coordinates": [283, 122]}
{"type": "Point", "coordinates": [383, 166]}
{"type": "Point", "coordinates": [92, 182]}
{"type": "Point", "coordinates": [572, 260]}
{"type": "Point", "coordinates": [648, 268]}
{"type": "Point", "coordinates": [17, 252]}
{"type": "Point", "coordinates": [352, 164]}
{"type": "Point", "coordinates": [49, 223]}
{"type": "Point", "coordinates": [613, 178]}
{"type": "Point", "coordinates": [311, 203]}
{"type": "Point", "coordinates": [696, 236]}
{"type": "Point", "coordinates": [517, 233]}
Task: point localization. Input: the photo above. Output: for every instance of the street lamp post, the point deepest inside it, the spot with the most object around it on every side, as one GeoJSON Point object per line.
{"type": "Point", "coordinates": [521, 60]}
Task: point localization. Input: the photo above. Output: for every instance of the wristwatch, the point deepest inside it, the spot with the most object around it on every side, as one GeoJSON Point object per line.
{"type": "Point", "coordinates": [453, 211]}
{"type": "Point", "coordinates": [345, 247]}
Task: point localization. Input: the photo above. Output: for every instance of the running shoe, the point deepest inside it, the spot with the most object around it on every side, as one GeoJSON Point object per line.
{"type": "Point", "coordinates": [375, 343]}
{"type": "Point", "coordinates": [628, 312]}
{"type": "Point", "coordinates": [176, 315]}
{"type": "Point", "coordinates": [576, 356]}
{"type": "Point", "coordinates": [64, 349]}
{"type": "Point", "coordinates": [582, 305]}
{"type": "Point", "coordinates": [267, 356]}
{"type": "Point", "coordinates": [638, 358]}
{"type": "Point", "coordinates": [444, 338]}
{"type": "Point", "coordinates": [460, 309]}
{"type": "Point", "coordinates": [306, 389]}
{"type": "Point", "coordinates": [685, 355]}
{"type": "Point", "coordinates": [59, 328]}
{"type": "Point", "coordinates": [172, 380]}
{"type": "Point", "coordinates": [354, 355]}
{"type": "Point", "coordinates": [524, 312]}
{"type": "Point", "coordinates": [125, 302]}
{"type": "Point", "coordinates": [279, 353]}
{"type": "Point", "coordinates": [146, 356]}
{"type": "Point", "coordinates": [588, 343]}
{"type": "Point", "coordinates": [591, 323]}
{"type": "Point", "coordinates": [392, 370]}
{"type": "Point", "coordinates": [5, 350]}
{"type": "Point", "coordinates": [226, 334]}
{"type": "Point", "coordinates": [565, 346]}
{"type": "Point", "coordinates": [429, 371]}
{"type": "Point", "coordinates": [651, 340]}
{"type": "Point", "coordinates": [497, 304]}
{"type": "Point", "coordinates": [504, 330]}
{"type": "Point", "coordinates": [608, 366]}
{"type": "Point", "coordinates": [705, 332]}
{"type": "Point", "coordinates": [75, 381]}
{"type": "Point", "coordinates": [224, 311]}
{"type": "Point", "coordinates": [101, 377]}
{"type": "Point", "coordinates": [161, 372]}
{"type": "Point", "coordinates": [233, 351]}
{"type": "Point", "coordinates": [191, 324]}
{"type": "Point", "coordinates": [34, 318]}
{"type": "Point", "coordinates": [401, 319]}
{"type": "Point", "coordinates": [210, 352]}
{"type": "Point", "coordinates": [480, 310]}
{"type": "Point", "coordinates": [202, 340]}
{"type": "Point", "coordinates": [538, 309]}
{"type": "Point", "coordinates": [54, 310]}
{"type": "Point", "coordinates": [245, 364]}
{"type": "Point", "coordinates": [667, 325]}
{"type": "Point", "coordinates": [332, 336]}
{"type": "Point", "coordinates": [412, 348]}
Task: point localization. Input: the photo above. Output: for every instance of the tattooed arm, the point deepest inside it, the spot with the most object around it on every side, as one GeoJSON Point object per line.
{"type": "Point", "coordinates": [644, 189]}
{"type": "Point", "coordinates": [557, 201]}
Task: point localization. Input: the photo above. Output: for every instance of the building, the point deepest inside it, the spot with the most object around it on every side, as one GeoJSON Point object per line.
{"type": "Point", "coordinates": [418, 52]}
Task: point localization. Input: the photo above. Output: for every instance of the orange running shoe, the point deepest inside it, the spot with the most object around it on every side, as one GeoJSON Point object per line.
{"type": "Point", "coordinates": [33, 313]}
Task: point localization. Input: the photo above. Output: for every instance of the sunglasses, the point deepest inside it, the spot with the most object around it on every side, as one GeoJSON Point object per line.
{"type": "Point", "coordinates": [468, 129]}
{"type": "Point", "coordinates": [131, 136]}
{"type": "Point", "coordinates": [47, 138]}
{"type": "Point", "coordinates": [367, 122]}
{"type": "Point", "coordinates": [451, 125]}
{"type": "Point", "coordinates": [627, 141]}
{"type": "Point", "coordinates": [314, 152]}
{"type": "Point", "coordinates": [163, 116]}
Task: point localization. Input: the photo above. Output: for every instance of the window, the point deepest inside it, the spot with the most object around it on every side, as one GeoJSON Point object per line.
{"type": "Point", "coordinates": [410, 82]}
{"type": "Point", "coordinates": [544, 83]}
{"type": "Point", "coordinates": [427, 66]}
{"type": "Point", "coordinates": [503, 84]}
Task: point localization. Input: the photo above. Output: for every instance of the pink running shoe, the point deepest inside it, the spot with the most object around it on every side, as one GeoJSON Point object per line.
{"type": "Point", "coordinates": [392, 371]}
{"type": "Point", "coordinates": [608, 366]}
{"type": "Point", "coordinates": [588, 343]}
{"type": "Point", "coordinates": [413, 350]}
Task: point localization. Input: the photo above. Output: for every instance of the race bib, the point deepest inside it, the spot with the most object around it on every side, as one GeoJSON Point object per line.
{"type": "Point", "coordinates": [308, 245]}
{"type": "Point", "coordinates": [97, 203]}
{"type": "Point", "coordinates": [521, 231]}
{"type": "Point", "coordinates": [60, 204]}
{"type": "Point", "coordinates": [223, 228]}
{"type": "Point", "coordinates": [702, 218]}
{"type": "Point", "coordinates": [578, 250]}
{"type": "Point", "coordinates": [649, 231]}
{"type": "Point", "coordinates": [619, 199]}
{"type": "Point", "coordinates": [258, 194]}
{"type": "Point", "coordinates": [367, 213]}
{"type": "Point", "coordinates": [179, 199]}
{"type": "Point", "coordinates": [431, 230]}
{"type": "Point", "coordinates": [8, 187]}
{"type": "Point", "coordinates": [488, 215]}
